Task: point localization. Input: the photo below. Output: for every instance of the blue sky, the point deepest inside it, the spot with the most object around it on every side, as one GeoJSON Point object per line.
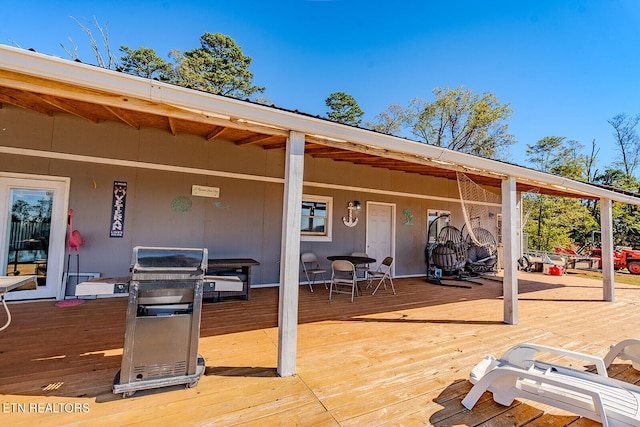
{"type": "Point", "coordinates": [565, 67]}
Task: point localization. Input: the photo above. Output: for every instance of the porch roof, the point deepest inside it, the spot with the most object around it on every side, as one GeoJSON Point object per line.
{"type": "Point", "coordinates": [50, 85]}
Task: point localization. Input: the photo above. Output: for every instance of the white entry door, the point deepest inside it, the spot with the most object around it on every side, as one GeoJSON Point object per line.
{"type": "Point", "coordinates": [32, 231]}
{"type": "Point", "coordinates": [380, 231]}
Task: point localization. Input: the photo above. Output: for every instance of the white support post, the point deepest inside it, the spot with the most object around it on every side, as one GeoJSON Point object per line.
{"type": "Point", "coordinates": [606, 228]}
{"type": "Point", "coordinates": [520, 223]}
{"type": "Point", "coordinates": [290, 256]}
{"type": "Point", "coordinates": [510, 240]}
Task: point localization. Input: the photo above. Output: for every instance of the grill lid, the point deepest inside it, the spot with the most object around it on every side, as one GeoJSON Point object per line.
{"type": "Point", "coordinates": [162, 261]}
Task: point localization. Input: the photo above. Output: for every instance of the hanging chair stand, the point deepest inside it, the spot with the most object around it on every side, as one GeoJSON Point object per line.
{"type": "Point", "coordinates": [448, 255]}
{"type": "Point", "coordinates": [482, 258]}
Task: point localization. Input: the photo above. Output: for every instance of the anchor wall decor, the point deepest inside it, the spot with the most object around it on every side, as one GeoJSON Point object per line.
{"type": "Point", "coordinates": [350, 221]}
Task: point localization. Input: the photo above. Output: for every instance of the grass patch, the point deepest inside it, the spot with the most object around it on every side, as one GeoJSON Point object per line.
{"type": "Point", "coordinates": [621, 276]}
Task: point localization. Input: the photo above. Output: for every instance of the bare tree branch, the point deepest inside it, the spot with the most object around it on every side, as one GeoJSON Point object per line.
{"type": "Point", "coordinates": [627, 141]}
{"type": "Point", "coordinates": [104, 34]}
{"type": "Point", "coordinates": [73, 55]}
{"type": "Point", "coordinates": [112, 61]}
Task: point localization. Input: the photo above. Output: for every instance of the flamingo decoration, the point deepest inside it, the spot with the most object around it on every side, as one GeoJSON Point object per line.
{"type": "Point", "coordinates": [74, 241]}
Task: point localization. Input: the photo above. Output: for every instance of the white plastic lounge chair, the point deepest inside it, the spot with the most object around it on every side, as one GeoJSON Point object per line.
{"type": "Point", "coordinates": [592, 395]}
{"type": "Point", "coordinates": [625, 350]}
{"type": "Point", "coordinates": [628, 349]}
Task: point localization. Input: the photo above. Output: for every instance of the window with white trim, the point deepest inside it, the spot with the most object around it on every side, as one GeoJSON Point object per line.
{"type": "Point", "coordinates": [315, 224]}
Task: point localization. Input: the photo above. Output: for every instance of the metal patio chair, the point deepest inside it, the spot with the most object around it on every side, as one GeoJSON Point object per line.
{"type": "Point", "coordinates": [364, 268]}
{"type": "Point", "coordinates": [382, 274]}
{"type": "Point", "coordinates": [343, 275]}
{"type": "Point", "coordinates": [312, 269]}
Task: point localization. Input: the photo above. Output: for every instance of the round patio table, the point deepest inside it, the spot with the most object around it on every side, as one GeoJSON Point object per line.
{"type": "Point", "coordinates": [353, 259]}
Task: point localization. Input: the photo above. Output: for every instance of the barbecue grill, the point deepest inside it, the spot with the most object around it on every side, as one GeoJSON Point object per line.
{"type": "Point", "coordinates": [163, 320]}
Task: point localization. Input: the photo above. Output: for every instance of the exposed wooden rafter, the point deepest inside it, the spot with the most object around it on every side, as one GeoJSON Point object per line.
{"type": "Point", "coordinates": [254, 139]}
{"type": "Point", "coordinates": [145, 106]}
{"type": "Point", "coordinates": [277, 145]}
{"type": "Point", "coordinates": [69, 108]}
{"type": "Point", "coordinates": [24, 104]}
{"type": "Point", "coordinates": [355, 152]}
{"type": "Point", "coordinates": [172, 126]}
{"type": "Point", "coordinates": [216, 132]}
{"type": "Point", "coordinates": [124, 116]}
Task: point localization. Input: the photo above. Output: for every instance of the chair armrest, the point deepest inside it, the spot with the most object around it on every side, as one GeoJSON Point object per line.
{"type": "Point", "coordinates": [626, 350]}
{"type": "Point", "coordinates": [482, 261]}
{"type": "Point", "coordinates": [523, 353]}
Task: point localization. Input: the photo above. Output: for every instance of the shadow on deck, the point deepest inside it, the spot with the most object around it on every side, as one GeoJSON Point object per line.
{"type": "Point", "coordinates": [383, 359]}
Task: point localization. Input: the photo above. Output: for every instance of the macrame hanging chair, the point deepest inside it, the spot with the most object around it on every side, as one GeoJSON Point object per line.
{"type": "Point", "coordinates": [476, 203]}
{"type": "Point", "coordinates": [482, 246]}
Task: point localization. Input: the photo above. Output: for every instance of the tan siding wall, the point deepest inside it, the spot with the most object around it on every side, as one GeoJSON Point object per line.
{"type": "Point", "coordinates": [245, 221]}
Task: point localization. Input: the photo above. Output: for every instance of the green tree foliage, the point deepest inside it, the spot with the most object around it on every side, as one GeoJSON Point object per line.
{"type": "Point", "coordinates": [626, 218]}
{"type": "Point", "coordinates": [616, 178]}
{"type": "Point", "coordinates": [565, 222]}
{"type": "Point", "coordinates": [626, 225]}
{"type": "Point", "coordinates": [144, 62]}
{"type": "Point", "coordinates": [344, 109]}
{"type": "Point", "coordinates": [555, 155]}
{"type": "Point", "coordinates": [218, 66]}
{"type": "Point", "coordinates": [461, 120]}
{"type": "Point", "coordinates": [558, 221]}
{"type": "Point", "coordinates": [390, 121]}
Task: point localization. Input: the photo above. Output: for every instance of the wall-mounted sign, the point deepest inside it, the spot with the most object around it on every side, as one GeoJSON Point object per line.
{"type": "Point", "coordinates": [117, 209]}
{"type": "Point", "coordinates": [203, 191]}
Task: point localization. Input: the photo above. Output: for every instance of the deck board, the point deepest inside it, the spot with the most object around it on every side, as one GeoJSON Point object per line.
{"type": "Point", "coordinates": [382, 360]}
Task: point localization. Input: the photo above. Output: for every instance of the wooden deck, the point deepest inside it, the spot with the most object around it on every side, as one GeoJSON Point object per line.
{"type": "Point", "coordinates": [382, 360]}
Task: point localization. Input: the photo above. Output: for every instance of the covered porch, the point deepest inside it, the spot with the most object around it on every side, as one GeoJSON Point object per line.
{"type": "Point", "coordinates": [382, 360]}
{"type": "Point", "coordinates": [93, 127]}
